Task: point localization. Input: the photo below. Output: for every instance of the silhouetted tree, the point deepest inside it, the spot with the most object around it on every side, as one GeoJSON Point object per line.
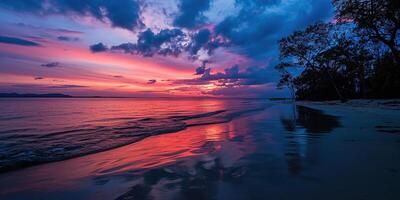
{"type": "Point", "coordinates": [356, 56]}
{"type": "Point", "coordinates": [309, 49]}
{"type": "Point", "coordinates": [352, 59]}
{"type": "Point", "coordinates": [376, 20]}
{"type": "Point", "coordinates": [384, 81]}
{"type": "Point", "coordinates": [287, 80]}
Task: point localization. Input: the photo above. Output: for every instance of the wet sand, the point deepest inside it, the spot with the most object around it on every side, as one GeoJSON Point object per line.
{"type": "Point", "coordinates": [337, 153]}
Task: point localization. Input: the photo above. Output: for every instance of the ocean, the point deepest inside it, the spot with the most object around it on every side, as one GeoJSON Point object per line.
{"type": "Point", "coordinates": [39, 130]}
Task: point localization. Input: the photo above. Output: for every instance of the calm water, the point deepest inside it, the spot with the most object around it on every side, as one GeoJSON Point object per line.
{"type": "Point", "coordinates": [227, 149]}
{"type": "Point", "coordinates": [34, 131]}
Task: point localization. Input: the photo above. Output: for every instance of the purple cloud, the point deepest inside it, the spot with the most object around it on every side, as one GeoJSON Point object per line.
{"type": "Point", "coordinates": [231, 77]}
{"type": "Point", "coordinates": [99, 47]}
{"type": "Point", "coordinates": [191, 13]}
{"type": "Point", "coordinates": [51, 65]}
{"type": "Point", "coordinates": [67, 39]}
{"type": "Point", "coordinates": [122, 13]}
{"type": "Point", "coordinates": [151, 81]}
{"type": "Point", "coordinates": [66, 86]}
{"type": "Point", "coordinates": [166, 42]}
{"type": "Point", "coordinates": [17, 41]}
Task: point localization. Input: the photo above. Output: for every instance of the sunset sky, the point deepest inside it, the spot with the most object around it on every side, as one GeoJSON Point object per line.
{"type": "Point", "coordinates": [148, 47]}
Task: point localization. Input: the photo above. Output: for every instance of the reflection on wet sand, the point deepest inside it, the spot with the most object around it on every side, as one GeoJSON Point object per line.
{"type": "Point", "coordinates": [206, 179]}
{"type": "Point", "coordinates": [304, 126]}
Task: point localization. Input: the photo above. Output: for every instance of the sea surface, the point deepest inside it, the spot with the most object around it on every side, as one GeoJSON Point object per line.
{"type": "Point", "coordinates": [39, 130]}
{"type": "Point", "coordinates": [157, 149]}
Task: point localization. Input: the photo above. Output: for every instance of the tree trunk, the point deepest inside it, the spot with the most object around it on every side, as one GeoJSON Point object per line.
{"type": "Point", "coordinates": [292, 92]}
{"type": "Point", "coordinates": [362, 82]}
{"type": "Point", "coordinates": [342, 99]}
{"type": "Point", "coordinates": [396, 54]}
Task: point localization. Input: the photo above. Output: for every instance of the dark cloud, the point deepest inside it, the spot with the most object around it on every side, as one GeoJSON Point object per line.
{"type": "Point", "coordinates": [191, 13]}
{"type": "Point", "coordinates": [99, 47]}
{"type": "Point", "coordinates": [17, 41]}
{"type": "Point", "coordinates": [122, 13]}
{"type": "Point", "coordinates": [67, 39]}
{"type": "Point", "coordinates": [231, 77]}
{"type": "Point", "coordinates": [184, 89]}
{"type": "Point", "coordinates": [148, 43]}
{"type": "Point", "coordinates": [199, 40]}
{"type": "Point", "coordinates": [202, 69]}
{"type": "Point", "coordinates": [39, 78]}
{"type": "Point", "coordinates": [250, 82]}
{"type": "Point", "coordinates": [151, 81]}
{"type": "Point", "coordinates": [125, 47]}
{"type": "Point", "coordinates": [66, 31]}
{"type": "Point", "coordinates": [253, 31]}
{"type": "Point", "coordinates": [66, 86]}
{"type": "Point", "coordinates": [51, 65]}
{"type": "Point", "coordinates": [246, 91]}
{"type": "Point", "coordinates": [256, 31]}
{"type": "Point", "coordinates": [206, 40]}
{"type": "Point", "coordinates": [258, 3]}
{"type": "Point", "coordinates": [24, 6]}
{"type": "Point", "coordinates": [234, 76]}
{"type": "Point", "coordinates": [118, 76]}
{"type": "Point", "coordinates": [166, 42]}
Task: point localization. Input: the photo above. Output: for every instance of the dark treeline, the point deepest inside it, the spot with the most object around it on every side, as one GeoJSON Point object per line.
{"type": "Point", "coordinates": [355, 56]}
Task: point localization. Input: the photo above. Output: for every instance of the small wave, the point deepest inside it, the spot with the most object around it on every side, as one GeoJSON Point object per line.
{"type": "Point", "coordinates": [64, 132]}
{"type": "Point", "coordinates": [4, 118]}
{"type": "Point", "coordinates": [17, 136]}
{"type": "Point", "coordinates": [227, 117]}
{"type": "Point", "coordinates": [112, 119]}
{"type": "Point", "coordinates": [18, 130]}
{"type": "Point", "coordinates": [208, 114]}
{"type": "Point", "coordinates": [146, 119]}
{"type": "Point", "coordinates": [31, 149]}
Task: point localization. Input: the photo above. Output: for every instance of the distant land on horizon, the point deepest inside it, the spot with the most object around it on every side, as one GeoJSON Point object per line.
{"type": "Point", "coordinates": [60, 95]}
{"type": "Point", "coordinates": [10, 95]}
{"type": "Point", "coordinates": [48, 95]}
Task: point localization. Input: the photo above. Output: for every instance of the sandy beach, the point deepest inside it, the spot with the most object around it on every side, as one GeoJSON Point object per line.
{"type": "Point", "coordinates": [321, 151]}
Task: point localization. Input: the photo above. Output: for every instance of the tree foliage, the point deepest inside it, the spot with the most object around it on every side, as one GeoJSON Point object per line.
{"type": "Point", "coordinates": [355, 57]}
{"type": "Point", "coordinates": [376, 20]}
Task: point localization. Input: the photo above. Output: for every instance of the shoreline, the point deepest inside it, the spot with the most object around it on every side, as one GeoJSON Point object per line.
{"type": "Point", "coordinates": [377, 107]}
{"type": "Point", "coordinates": [387, 104]}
